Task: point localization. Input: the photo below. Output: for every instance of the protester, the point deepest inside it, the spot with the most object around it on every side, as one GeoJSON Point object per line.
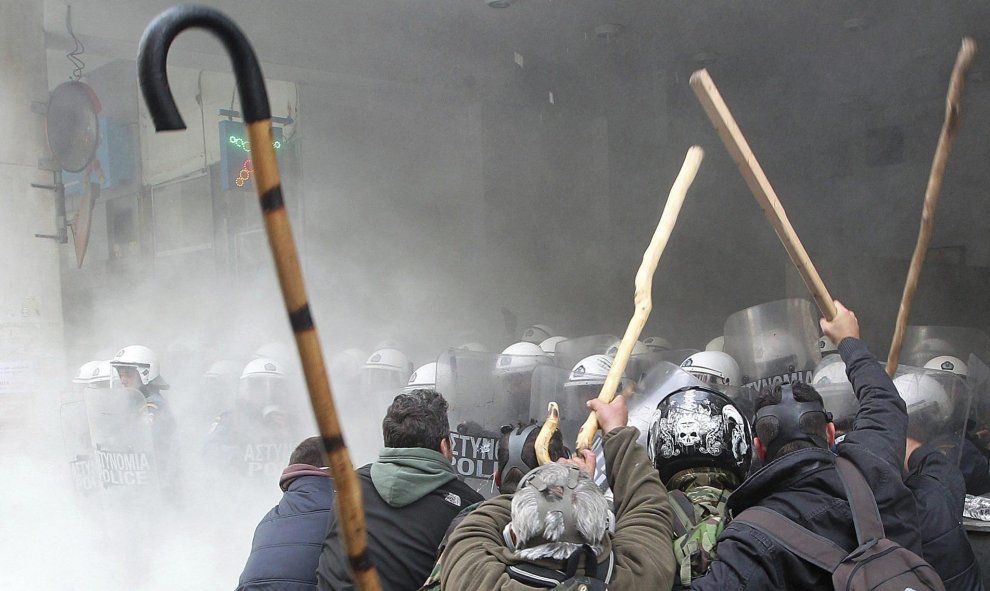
{"type": "Point", "coordinates": [410, 496]}
{"type": "Point", "coordinates": [700, 444]}
{"type": "Point", "coordinates": [516, 457]}
{"type": "Point", "coordinates": [286, 546]}
{"type": "Point", "coordinates": [556, 526]}
{"type": "Point", "coordinates": [794, 435]}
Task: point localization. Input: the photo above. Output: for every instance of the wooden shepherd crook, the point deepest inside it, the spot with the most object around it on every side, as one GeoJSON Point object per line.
{"type": "Point", "coordinates": [644, 287]}
{"type": "Point", "coordinates": [720, 116]}
{"type": "Point", "coordinates": [546, 434]}
{"type": "Point", "coordinates": [152, 54]}
{"type": "Point", "coordinates": [945, 137]}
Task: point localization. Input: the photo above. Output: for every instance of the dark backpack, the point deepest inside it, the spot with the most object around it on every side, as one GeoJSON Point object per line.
{"type": "Point", "coordinates": [876, 564]}
{"type": "Point", "coordinates": [567, 578]}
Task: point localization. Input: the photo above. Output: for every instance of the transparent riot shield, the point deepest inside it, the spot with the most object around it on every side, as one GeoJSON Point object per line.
{"type": "Point", "coordinates": [774, 343]}
{"type": "Point", "coordinates": [640, 365]}
{"type": "Point", "coordinates": [484, 392]}
{"type": "Point", "coordinates": [924, 343]}
{"type": "Point", "coordinates": [123, 441]}
{"type": "Point", "coordinates": [78, 448]}
{"type": "Point", "coordinates": [978, 383]}
{"type": "Point", "coordinates": [663, 379]}
{"type": "Point", "coordinates": [571, 351]}
{"type": "Point", "coordinates": [549, 385]}
{"type": "Point", "coordinates": [839, 400]}
{"type": "Point", "coordinates": [938, 404]}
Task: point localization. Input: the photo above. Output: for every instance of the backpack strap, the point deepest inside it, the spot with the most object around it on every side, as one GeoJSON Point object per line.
{"type": "Point", "coordinates": [862, 503]}
{"type": "Point", "coordinates": [685, 517]}
{"type": "Point", "coordinates": [800, 541]}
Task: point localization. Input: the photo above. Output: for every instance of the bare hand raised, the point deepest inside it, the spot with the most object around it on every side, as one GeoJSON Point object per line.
{"type": "Point", "coordinates": [845, 324]}
{"type": "Point", "coordinates": [612, 415]}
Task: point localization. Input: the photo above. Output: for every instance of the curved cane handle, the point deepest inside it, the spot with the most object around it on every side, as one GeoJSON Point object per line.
{"type": "Point", "coordinates": [153, 79]}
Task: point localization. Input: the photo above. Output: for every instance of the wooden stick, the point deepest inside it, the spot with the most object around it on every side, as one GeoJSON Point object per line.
{"type": "Point", "coordinates": [720, 116]}
{"type": "Point", "coordinates": [153, 78]}
{"type": "Point", "coordinates": [546, 434]}
{"type": "Point", "coordinates": [644, 287]}
{"type": "Point", "coordinates": [963, 60]}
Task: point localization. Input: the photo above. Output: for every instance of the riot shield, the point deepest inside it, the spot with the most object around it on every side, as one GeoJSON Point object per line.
{"type": "Point", "coordinates": [482, 398]}
{"type": "Point", "coordinates": [123, 442]}
{"type": "Point", "coordinates": [252, 446]}
{"type": "Point", "coordinates": [549, 386]}
{"type": "Point", "coordinates": [571, 351]}
{"type": "Point", "coordinates": [663, 379]}
{"type": "Point", "coordinates": [923, 343]}
{"type": "Point", "coordinates": [78, 448]}
{"type": "Point", "coordinates": [938, 406]}
{"type": "Point", "coordinates": [840, 400]}
{"type": "Point", "coordinates": [774, 343]}
{"type": "Point", "coordinates": [640, 365]}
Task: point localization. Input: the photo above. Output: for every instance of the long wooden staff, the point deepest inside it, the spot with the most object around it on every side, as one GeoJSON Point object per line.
{"type": "Point", "coordinates": [153, 79]}
{"type": "Point", "coordinates": [720, 116]}
{"type": "Point", "coordinates": [644, 287]}
{"type": "Point", "coordinates": [945, 137]}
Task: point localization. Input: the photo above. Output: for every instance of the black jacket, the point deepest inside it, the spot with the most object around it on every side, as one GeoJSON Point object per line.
{"type": "Point", "coordinates": [287, 542]}
{"type": "Point", "coordinates": [402, 541]}
{"type": "Point", "coordinates": [940, 491]}
{"type": "Point", "coordinates": [804, 486]}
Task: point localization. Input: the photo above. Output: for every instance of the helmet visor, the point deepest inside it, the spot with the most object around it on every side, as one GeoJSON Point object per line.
{"type": "Point", "coordinates": [257, 391]}
{"type": "Point", "coordinates": [709, 378]}
{"type": "Point", "coordinates": [382, 378]}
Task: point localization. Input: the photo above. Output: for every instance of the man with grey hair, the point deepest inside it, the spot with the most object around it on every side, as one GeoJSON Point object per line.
{"type": "Point", "coordinates": [554, 533]}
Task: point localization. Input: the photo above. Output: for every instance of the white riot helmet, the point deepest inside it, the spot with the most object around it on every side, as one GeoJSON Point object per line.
{"type": "Point", "coordinates": [656, 344]}
{"type": "Point", "coordinates": [716, 344]}
{"type": "Point", "coordinates": [549, 346]}
{"type": "Point", "coordinates": [638, 349]}
{"type": "Point", "coordinates": [831, 370]}
{"type": "Point", "coordinates": [925, 398]}
{"type": "Point", "coordinates": [826, 346]}
{"type": "Point", "coordinates": [948, 363]}
{"type": "Point", "coordinates": [141, 359]}
{"type": "Point", "coordinates": [386, 368]}
{"type": "Point", "coordinates": [537, 333]}
{"type": "Point", "coordinates": [261, 382]}
{"type": "Point", "coordinates": [94, 374]}
{"type": "Point", "coordinates": [714, 368]}
{"type": "Point", "coordinates": [522, 357]}
{"type": "Point", "coordinates": [590, 371]}
{"type": "Point", "coordinates": [424, 378]}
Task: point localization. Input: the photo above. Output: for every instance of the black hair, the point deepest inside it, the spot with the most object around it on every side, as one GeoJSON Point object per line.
{"type": "Point", "coordinates": [310, 451]}
{"type": "Point", "coordinates": [416, 419]}
{"type": "Point", "coordinates": [813, 423]}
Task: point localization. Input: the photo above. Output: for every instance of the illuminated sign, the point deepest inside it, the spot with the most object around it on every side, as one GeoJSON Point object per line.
{"type": "Point", "coordinates": [235, 155]}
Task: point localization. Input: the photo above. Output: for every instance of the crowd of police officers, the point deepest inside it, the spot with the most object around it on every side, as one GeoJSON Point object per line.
{"type": "Point", "coordinates": [121, 425]}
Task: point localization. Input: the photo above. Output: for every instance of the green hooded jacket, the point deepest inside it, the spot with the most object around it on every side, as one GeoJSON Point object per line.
{"type": "Point", "coordinates": [404, 475]}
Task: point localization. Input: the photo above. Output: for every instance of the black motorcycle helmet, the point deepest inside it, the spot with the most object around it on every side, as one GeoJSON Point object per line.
{"type": "Point", "coordinates": [698, 428]}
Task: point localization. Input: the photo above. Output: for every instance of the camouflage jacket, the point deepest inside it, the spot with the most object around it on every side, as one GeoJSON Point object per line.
{"type": "Point", "coordinates": [698, 522]}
